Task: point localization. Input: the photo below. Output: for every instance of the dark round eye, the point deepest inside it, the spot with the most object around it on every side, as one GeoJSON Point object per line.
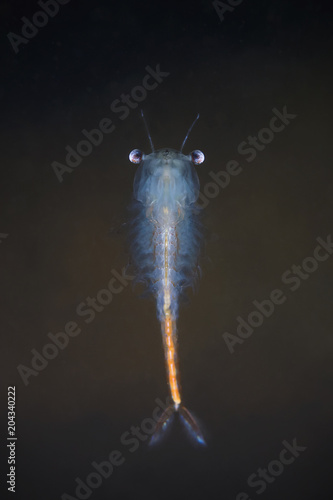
{"type": "Point", "coordinates": [197, 157]}
{"type": "Point", "coordinates": [136, 156]}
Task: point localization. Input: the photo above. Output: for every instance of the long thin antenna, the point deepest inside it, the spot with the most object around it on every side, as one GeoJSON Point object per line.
{"type": "Point", "coordinates": [147, 130]}
{"type": "Point", "coordinates": [189, 130]}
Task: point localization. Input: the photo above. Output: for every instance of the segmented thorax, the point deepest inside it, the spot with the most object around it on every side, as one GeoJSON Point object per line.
{"type": "Point", "coordinates": [166, 185]}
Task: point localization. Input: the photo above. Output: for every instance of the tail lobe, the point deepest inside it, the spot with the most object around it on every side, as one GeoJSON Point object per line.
{"type": "Point", "coordinates": [186, 417]}
{"type": "Point", "coordinates": [191, 425]}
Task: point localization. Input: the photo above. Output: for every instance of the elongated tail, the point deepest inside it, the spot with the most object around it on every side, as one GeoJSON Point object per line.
{"type": "Point", "coordinates": [191, 425]}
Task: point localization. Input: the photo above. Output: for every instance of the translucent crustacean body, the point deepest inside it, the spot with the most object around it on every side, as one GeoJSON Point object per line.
{"type": "Point", "coordinates": [166, 241]}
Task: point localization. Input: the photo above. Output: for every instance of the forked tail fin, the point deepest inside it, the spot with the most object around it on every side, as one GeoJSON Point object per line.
{"type": "Point", "coordinates": [190, 423]}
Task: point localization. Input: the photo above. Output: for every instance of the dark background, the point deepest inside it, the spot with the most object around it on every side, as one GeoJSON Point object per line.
{"type": "Point", "coordinates": [59, 249]}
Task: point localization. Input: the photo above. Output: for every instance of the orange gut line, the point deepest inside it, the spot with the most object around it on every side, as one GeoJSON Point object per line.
{"type": "Point", "coordinates": [168, 330]}
{"type": "Point", "coordinates": [171, 357]}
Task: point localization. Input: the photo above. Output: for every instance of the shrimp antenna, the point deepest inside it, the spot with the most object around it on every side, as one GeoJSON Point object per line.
{"type": "Point", "coordinates": [147, 130]}
{"type": "Point", "coordinates": [189, 131]}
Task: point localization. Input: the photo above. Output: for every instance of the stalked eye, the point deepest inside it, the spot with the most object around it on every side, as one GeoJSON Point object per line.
{"type": "Point", "coordinates": [136, 156]}
{"type": "Point", "coordinates": [197, 157]}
